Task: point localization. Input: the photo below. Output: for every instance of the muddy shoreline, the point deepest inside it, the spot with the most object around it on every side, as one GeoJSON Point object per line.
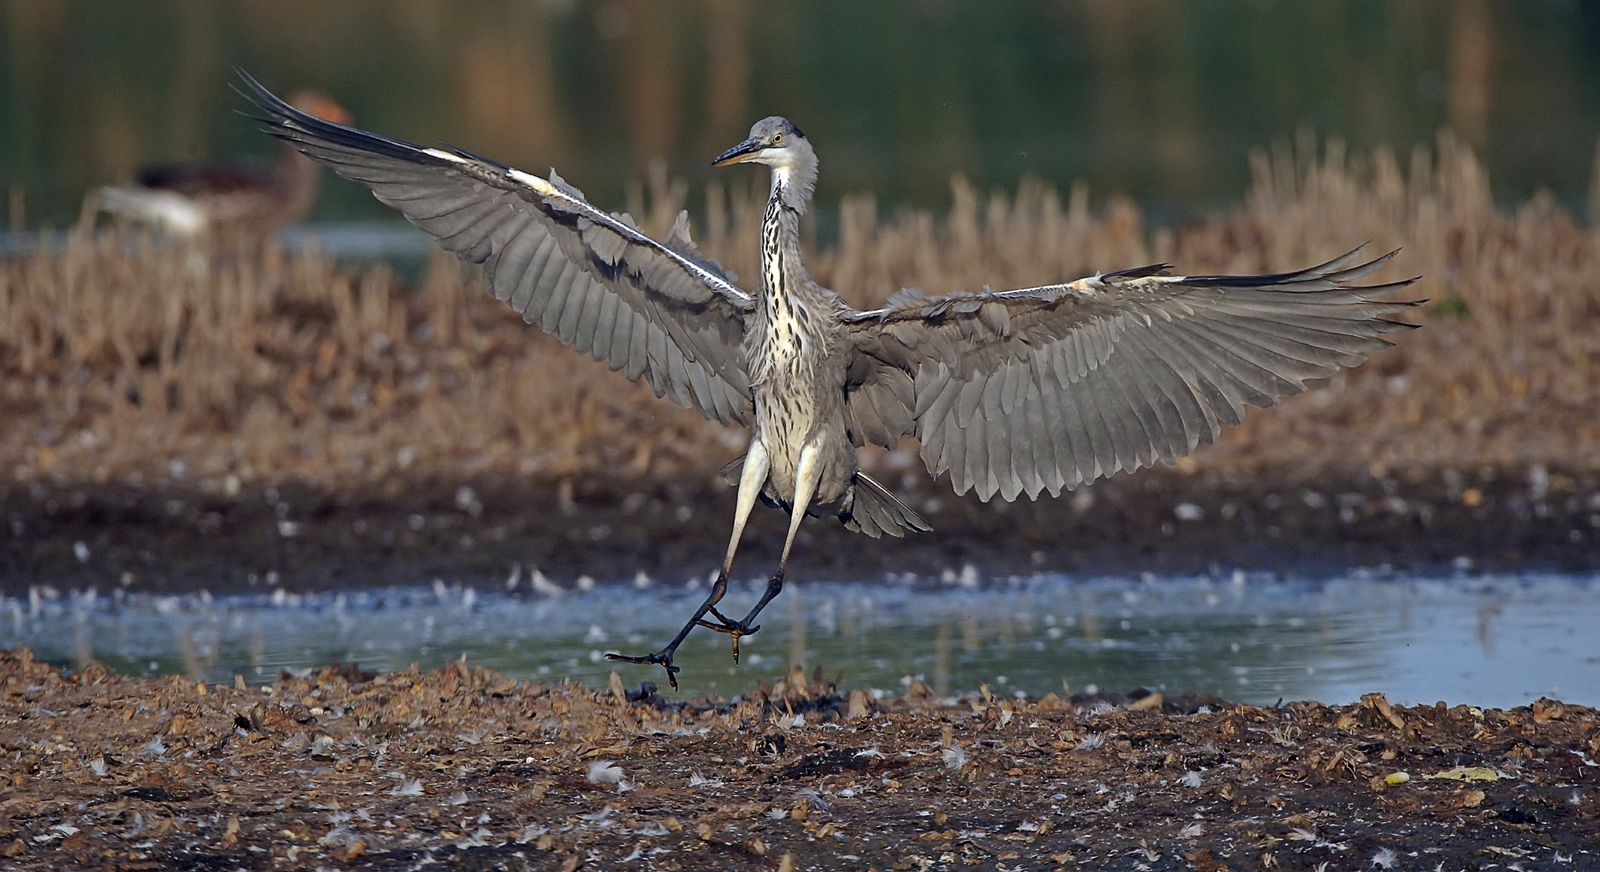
{"type": "Point", "coordinates": [176, 536]}
{"type": "Point", "coordinates": [465, 767]}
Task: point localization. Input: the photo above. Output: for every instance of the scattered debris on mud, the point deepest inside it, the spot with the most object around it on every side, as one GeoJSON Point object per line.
{"type": "Point", "coordinates": [470, 769]}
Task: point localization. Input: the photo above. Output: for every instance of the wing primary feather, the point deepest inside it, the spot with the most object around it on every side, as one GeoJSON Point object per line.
{"type": "Point", "coordinates": [954, 453]}
{"type": "Point", "coordinates": [1134, 410]}
{"type": "Point", "coordinates": [514, 276]}
{"type": "Point", "coordinates": [1182, 431]}
{"type": "Point", "coordinates": [1296, 341]}
{"type": "Point", "coordinates": [978, 446]}
{"type": "Point", "coordinates": [572, 309]}
{"type": "Point", "coordinates": [1210, 380]}
{"type": "Point", "coordinates": [1261, 367]}
{"type": "Point", "coordinates": [603, 331]}
{"type": "Point", "coordinates": [566, 275]}
{"type": "Point", "coordinates": [1051, 428]}
{"type": "Point", "coordinates": [1101, 437]}
{"type": "Point", "coordinates": [638, 347]}
{"type": "Point", "coordinates": [1077, 430]}
{"type": "Point", "coordinates": [1266, 347]}
{"type": "Point", "coordinates": [656, 348]}
{"type": "Point", "coordinates": [1257, 385]}
{"type": "Point", "coordinates": [999, 431]}
{"type": "Point", "coordinates": [1039, 454]}
{"type": "Point", "coordinates": [1112, 410]}
{"type": "Point", "coordinates": [584, 336]}
{"type": "Point", "coordinates": [1022, 422]}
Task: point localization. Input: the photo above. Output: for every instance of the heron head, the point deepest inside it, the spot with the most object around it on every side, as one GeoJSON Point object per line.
{"type": "Point", "coordinates": [773, 141]}
{"type": "Point", "coordinates": [779, 144]}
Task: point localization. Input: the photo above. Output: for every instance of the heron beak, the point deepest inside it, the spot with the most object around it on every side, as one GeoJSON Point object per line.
{"type": "Point", "coordinates": [740, 153]}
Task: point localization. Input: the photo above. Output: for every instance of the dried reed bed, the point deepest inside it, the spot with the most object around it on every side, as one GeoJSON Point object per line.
{"type": "Point", "coordinates": [127, 360]}
{"type": "Point", "coordinates": [1503, 374]}
{"type": "Point", "coordinates": [121, 359]}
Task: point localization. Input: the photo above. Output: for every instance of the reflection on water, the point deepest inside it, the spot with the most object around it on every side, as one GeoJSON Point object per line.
{"type": "Point", "coordinates": [1501, 640]}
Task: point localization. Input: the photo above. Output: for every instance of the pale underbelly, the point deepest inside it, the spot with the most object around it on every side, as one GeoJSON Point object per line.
{"type": "Point", "coordinates": [795, 411]}
{"type": "Point", "coordinates": [785, 423]}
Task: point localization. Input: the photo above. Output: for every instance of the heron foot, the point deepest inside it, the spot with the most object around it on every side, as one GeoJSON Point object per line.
{"type": "Point", "coordinates": [661, 658]}
{"type": "Point", "coordinates": [735, 629]}
{"type": "Point", "coordinates": [726, 624]}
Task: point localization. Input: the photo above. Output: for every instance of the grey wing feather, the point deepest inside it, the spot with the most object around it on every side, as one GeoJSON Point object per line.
{"type": "Point", "coordinates": [1039, 389]}
{"type": "Point", "coordinates": [661, 312]}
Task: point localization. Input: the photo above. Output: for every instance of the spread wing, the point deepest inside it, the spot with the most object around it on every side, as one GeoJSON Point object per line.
{"type": "Point", "coordinates": [654, 310]}
{"type": "Point", "coordinates": [1051, 387]}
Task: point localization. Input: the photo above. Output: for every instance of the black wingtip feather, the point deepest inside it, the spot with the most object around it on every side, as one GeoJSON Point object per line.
{"type": "Point", "coordinates": [1321, 272]}
{"type": "Point", "coordinates": [302, 128]}
{"type": "Point", "coordinates": [1141, 272]}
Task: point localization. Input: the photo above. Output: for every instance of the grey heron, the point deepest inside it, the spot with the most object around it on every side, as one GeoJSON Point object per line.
{"type": "Point", "coordinates": [1009, 392]}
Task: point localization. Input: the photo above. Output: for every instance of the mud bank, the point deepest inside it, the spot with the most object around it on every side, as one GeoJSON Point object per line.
{"type": "Point", "coordinates": [179, 536]}
{"type": "Point", "coordinates": [466, 767]}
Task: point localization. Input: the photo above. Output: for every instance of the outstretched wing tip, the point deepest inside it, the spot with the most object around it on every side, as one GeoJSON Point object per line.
{"type": "Point", "coordinates": [259, 95]}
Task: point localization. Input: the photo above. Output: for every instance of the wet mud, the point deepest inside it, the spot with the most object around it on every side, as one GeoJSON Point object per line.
{"type": "Point", "coordinates": [179, 536]}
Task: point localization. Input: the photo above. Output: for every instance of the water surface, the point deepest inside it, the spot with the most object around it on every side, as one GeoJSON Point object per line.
{"type": "Point", "coordinates": [1499, 640]}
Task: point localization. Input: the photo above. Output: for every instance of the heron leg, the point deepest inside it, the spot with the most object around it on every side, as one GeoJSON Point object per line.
{"type": "Point", "coordinates": [807, 474]}
{"type": "Point", "coordinates": [751, 480]}
{"type": "Point", "coordinates": [756, 464]}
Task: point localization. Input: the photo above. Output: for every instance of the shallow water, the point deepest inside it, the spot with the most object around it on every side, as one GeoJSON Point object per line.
{"type": "Point", "coordinates": [1498, 640]}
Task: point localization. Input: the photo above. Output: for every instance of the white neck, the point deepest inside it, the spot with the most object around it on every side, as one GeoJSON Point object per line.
{"type": "Point", "coordinates": [792, 181]}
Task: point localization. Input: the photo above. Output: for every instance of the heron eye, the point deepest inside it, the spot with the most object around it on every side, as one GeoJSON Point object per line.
{"type": "Point", "coordinates": [777, 138]}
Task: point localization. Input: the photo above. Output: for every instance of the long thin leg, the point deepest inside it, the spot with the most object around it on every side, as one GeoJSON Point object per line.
{"type": "Point", "coordinates": [751, 480]}
{"type": "Point", "coordinates": [754, 477]}
{"type": "Point", "coordinates": [808, 473]}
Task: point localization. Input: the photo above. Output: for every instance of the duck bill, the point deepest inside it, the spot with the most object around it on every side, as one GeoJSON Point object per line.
{"type": "Point", "coordinates": [740, 153]}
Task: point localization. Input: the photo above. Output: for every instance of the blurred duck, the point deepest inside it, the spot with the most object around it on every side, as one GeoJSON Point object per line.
{"type": "Point", "coordinates": [227, 199]}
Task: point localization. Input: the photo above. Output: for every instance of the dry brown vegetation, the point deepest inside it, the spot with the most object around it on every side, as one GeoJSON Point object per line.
{"type": "Point", "coordinates": [471, 768]}
{"type": "Point", "coordinates": [123, 359]}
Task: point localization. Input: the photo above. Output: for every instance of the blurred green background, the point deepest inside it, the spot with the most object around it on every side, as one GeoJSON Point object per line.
{"type": "Point", "coordinates": [1160, 99]}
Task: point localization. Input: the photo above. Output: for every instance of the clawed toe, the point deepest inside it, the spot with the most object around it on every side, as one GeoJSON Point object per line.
{"type": "Point", "coordinates": [733, 628]}
{"type": "Point", "coordinates": [661, 658]}
{"type": "Point", "coordinates": [728, 625]}
{"type": "Point", "coordinates": [709, 617]}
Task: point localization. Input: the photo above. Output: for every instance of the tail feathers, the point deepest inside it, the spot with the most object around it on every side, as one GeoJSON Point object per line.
{"type": "Point", "coordinates": [874, 511]}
